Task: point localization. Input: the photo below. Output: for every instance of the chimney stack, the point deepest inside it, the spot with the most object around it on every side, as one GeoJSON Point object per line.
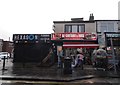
{"type": "Point", "coordinates": [91, 17]}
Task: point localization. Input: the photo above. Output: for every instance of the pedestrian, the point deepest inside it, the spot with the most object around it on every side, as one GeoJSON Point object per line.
{"type": "Point", "coordinates": [80, 58]}
{"type": "Point", "coordinates": [101, 59]}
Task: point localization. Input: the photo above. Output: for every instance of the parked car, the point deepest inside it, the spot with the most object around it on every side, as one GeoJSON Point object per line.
{"type": "Point", "coordinates": [6, 54]}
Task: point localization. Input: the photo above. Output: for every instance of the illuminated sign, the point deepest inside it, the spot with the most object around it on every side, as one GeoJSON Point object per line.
{"type": "Point", "coordinates": [74, 36]}
{"type": "Point", "coordinates": [31, 37]}
{"type": "Point", "coordinates": [25, 37]}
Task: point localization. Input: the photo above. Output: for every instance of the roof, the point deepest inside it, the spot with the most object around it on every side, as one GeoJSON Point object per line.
{"type": "Point", "coordinates": [77, 21]}
{"type": "Point", "coordinates": [73, 21]}
{"type": "Point", "coordinates": [107, 20]}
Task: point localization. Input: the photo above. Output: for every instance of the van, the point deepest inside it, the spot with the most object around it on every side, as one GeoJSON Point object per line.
{"type": "Point", "coordinates": [4, 54]}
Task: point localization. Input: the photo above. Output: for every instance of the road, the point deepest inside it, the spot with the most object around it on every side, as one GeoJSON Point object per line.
{"type": "Point", "coordinates": [92, 81]}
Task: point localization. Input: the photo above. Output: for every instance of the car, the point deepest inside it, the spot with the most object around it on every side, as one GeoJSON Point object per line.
{"type": "Point", "coordinates": [4, 54]}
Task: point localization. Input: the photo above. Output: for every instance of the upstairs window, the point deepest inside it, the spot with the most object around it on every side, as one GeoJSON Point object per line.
{"type": "Point", "coordinates": [106, 27]}
{"type": "Point", "coordinates": [74, 28]}
{"type": "Point", "coordinates": [81, 28]}
{"type": "Point", "coordinates": [68, 28]}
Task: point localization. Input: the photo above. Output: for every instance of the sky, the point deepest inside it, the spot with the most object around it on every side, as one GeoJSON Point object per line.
{"type": "Point", "coordinates": [37, 16]}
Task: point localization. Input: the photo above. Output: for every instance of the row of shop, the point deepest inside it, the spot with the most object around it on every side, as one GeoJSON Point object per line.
{"type": "Point", "coordinates": [31, 47]}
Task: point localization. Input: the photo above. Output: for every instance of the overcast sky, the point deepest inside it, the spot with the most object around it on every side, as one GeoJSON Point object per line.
{"type": "Point", "coordinates": [37, 16]}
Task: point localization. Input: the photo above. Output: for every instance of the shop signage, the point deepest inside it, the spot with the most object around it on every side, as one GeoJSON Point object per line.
{"type": "Point", "coordinates": [112, 35]}
{"type": "Point", "coordinates": [115, 38]}
{"type": "Point", "coordinates": [74, 36]}
{"type": "Point", "coordinates": [31, 37]}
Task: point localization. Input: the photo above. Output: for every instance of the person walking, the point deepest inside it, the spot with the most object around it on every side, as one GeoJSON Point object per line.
{"type": "Point", "coordinates": [80, 59]}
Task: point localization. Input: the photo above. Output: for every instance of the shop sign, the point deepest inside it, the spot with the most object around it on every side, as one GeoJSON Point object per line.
{"type": "Point", "coordinates": [74, 36]}
{"type": "Point", "coordinates": [112, 35]}
{"type": "Point", "coordinates": [31, 37]}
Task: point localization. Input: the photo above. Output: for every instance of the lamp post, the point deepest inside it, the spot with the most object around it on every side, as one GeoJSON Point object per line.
{"type": "Point", "coordinates": [113, 55]}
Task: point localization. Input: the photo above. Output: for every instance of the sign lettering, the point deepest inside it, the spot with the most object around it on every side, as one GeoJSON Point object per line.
{"type": "Point", "coordinates": [31, 37]}
{"type": "Point", "coordinates": [74, 36]}
{"type": "Point", "coordinates": [113, 35]}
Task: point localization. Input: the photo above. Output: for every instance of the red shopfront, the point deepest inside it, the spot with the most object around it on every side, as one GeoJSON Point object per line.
{"type": "Point", "coordinates": [70, 42]}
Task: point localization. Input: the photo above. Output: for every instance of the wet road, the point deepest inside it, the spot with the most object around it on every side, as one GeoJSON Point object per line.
{"type": "Point", "coordinates": [94, 81]}
{"type": "Point", "coordinates": [102, 79]}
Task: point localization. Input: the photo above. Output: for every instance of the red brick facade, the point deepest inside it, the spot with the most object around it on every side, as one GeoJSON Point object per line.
{"type": "Point", "coordinates": [7, 46]}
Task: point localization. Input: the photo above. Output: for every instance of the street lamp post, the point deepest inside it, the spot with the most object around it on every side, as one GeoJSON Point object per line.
{"type": "Point", "coordinates": [113, 55]}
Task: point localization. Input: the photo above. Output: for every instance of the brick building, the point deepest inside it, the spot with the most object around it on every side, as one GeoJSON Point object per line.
{"type": "Point", "coordinates": [1, 44]}
{"type": "Point", "coordinates": [7, 46]}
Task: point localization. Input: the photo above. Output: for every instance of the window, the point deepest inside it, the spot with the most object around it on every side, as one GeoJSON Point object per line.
{"type": "Point", "coordinates": [103, 27]}
{"type": "Point", "coordinates": [106, 27]}
{"type": "Point", "coordinates": [81, 28]}
{"type": "Point", "coordinates": [74, 28]}
{"type": "Point", "coordinates": [68, 28]}
{"type": "Point", "coordinates": [111, 27]}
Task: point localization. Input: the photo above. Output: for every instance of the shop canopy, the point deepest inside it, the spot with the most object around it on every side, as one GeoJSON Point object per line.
{"type": "Point", "coordinates": [80, 45]}
{"type": "Point", "coordinates": [76, 40]}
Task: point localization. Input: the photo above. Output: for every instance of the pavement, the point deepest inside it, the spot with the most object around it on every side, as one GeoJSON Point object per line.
{"type": "Point", "coordinates": [36, 73]}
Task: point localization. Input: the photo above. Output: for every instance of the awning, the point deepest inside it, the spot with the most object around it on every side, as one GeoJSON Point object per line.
{"type": "Point", "coordinates": [80, 45]}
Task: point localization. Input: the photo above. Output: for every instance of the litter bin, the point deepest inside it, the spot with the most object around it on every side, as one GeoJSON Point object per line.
{"type": "Point", "coordinates": [67, 66]}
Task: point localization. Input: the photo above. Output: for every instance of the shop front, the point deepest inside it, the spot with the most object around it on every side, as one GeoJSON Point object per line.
{"type": "Point", "coordinates": [31, 48]}
{"type": "Point", "coordinates": [115, 38]}
{"type": "Point", "coordinates": [70, 43]}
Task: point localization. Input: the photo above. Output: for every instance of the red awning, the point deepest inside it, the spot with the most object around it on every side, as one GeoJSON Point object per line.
{"type": "Point", "coordinates": [80, 45]}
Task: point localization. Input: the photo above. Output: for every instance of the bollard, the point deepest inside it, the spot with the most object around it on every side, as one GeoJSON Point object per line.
{"type": "Point", "coordinates": [4, 64]}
